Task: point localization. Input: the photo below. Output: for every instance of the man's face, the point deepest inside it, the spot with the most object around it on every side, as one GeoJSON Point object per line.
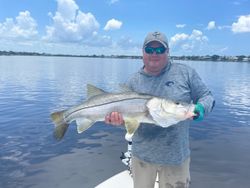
{"type": "Point", "coordinates": [154, 62]}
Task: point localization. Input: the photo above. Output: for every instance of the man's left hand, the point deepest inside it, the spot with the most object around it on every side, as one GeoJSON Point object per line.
{"type": "Point", "coordinates": [199, 111]}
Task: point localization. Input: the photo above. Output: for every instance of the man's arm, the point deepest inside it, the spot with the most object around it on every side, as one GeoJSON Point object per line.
{"type": "Point", "coordinates": [200, 93]}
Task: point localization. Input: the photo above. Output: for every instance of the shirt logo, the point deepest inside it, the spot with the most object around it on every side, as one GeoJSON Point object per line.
{"type": "Point", "coordinates": [169, 83]}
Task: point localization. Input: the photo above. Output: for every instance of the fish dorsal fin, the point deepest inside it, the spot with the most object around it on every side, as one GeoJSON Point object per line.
{"type": "Point", "coordinates": [93, 91]}
{"type": "Point", "coordinates": [125, 88]}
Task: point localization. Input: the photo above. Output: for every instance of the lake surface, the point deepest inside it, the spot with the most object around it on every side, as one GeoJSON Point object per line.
{"type": "Point", "coordinates": [33, 87]}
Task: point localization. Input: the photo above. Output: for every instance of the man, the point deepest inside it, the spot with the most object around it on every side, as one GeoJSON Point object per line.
{"type": "Point", "coordinates": [164, 150]}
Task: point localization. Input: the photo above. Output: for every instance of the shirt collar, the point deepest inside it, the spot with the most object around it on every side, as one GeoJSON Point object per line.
{"type": "Point", "coordinates": [165, 69]}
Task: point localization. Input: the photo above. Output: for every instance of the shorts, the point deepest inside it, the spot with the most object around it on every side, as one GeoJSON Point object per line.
{"type": "Point", "coordinates": [145, 174]}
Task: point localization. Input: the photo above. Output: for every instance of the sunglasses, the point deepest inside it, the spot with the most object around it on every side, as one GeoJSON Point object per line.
{"type": "Point", "coordinates": [158, 50]}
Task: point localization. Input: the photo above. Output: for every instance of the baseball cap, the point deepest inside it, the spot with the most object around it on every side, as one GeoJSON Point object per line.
{"type": "Point", "coordinates": [156, 36]}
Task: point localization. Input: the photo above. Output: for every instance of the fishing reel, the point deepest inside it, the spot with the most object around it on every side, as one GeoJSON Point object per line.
{"type": "Point", "coordinates": [127, 156]}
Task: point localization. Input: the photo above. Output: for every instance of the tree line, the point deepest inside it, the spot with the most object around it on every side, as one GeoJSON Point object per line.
{"type": "Point", "coordinates": [239, 58]}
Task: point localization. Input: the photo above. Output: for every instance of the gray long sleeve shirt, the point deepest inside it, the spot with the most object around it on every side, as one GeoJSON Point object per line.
{"type": "Point", "coordinates": [177, 82]}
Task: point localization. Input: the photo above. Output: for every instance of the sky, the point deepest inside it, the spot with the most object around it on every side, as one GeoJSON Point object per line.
{"type": "Point", "coordinates": [118, 27]}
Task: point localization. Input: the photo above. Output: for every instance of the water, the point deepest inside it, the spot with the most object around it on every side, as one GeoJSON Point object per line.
{"type": "Point", "coordinates": [33, 87]}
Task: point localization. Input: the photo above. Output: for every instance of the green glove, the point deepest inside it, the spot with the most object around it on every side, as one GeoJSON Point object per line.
{"type": "Point", "coordinates": [199, 111]}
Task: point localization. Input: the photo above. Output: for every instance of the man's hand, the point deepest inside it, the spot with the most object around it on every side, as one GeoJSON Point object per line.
{"type": "Point", "coordinates": [114, 118]}
{"type": "Point", "coordinates": [199, 111]}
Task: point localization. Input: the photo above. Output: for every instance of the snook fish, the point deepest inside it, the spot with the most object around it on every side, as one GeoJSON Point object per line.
{"type": "Point", "coordinates": [135, 108]}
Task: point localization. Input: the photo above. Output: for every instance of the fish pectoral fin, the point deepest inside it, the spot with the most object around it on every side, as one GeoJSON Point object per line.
{"type": "Point", "coordinates": [131, 125]}
{"type": "Point", "coordinates": [83, 124]}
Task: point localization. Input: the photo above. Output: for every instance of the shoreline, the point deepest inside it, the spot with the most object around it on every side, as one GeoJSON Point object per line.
{"type": "Point", "coordinates": [240, 58]}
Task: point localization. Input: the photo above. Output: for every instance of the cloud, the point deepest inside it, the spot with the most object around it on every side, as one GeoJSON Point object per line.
{"type": "Point", "coordinates": [178, 37]}
{"type": "Point", "coordinates": [22, 27]}
{"type": "Point", "coordinates": [181, 25]}
{"type": "Point", "coordinates": [99, 40]}
{"type": "Point", "coordinates": [128, 43]}
{"type": "Point", "coordinates": [224, 27]}
{"type": "Point", "coordinates": [237, 3]}
{"type": "Point", "coordinates": [211, 25]}
{"type": "Point", "coordinates": [113, 1]}
{"type": "Point", "coordinates": [198, 36]}
{"type": "Point", "coordinates": [188, 43]}
{"type": "Point", "coordinates": [222, 50]}
{"type": "Point", "coordinates": [113, 24]}
{"type": "Point", "coordinates": [70, 24]}
{"type": "Point", "coordinates": [242, 25]}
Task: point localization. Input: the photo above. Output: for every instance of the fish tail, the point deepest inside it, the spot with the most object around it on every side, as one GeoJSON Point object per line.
{"type": "Point", "coordinates": [61, 125]}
